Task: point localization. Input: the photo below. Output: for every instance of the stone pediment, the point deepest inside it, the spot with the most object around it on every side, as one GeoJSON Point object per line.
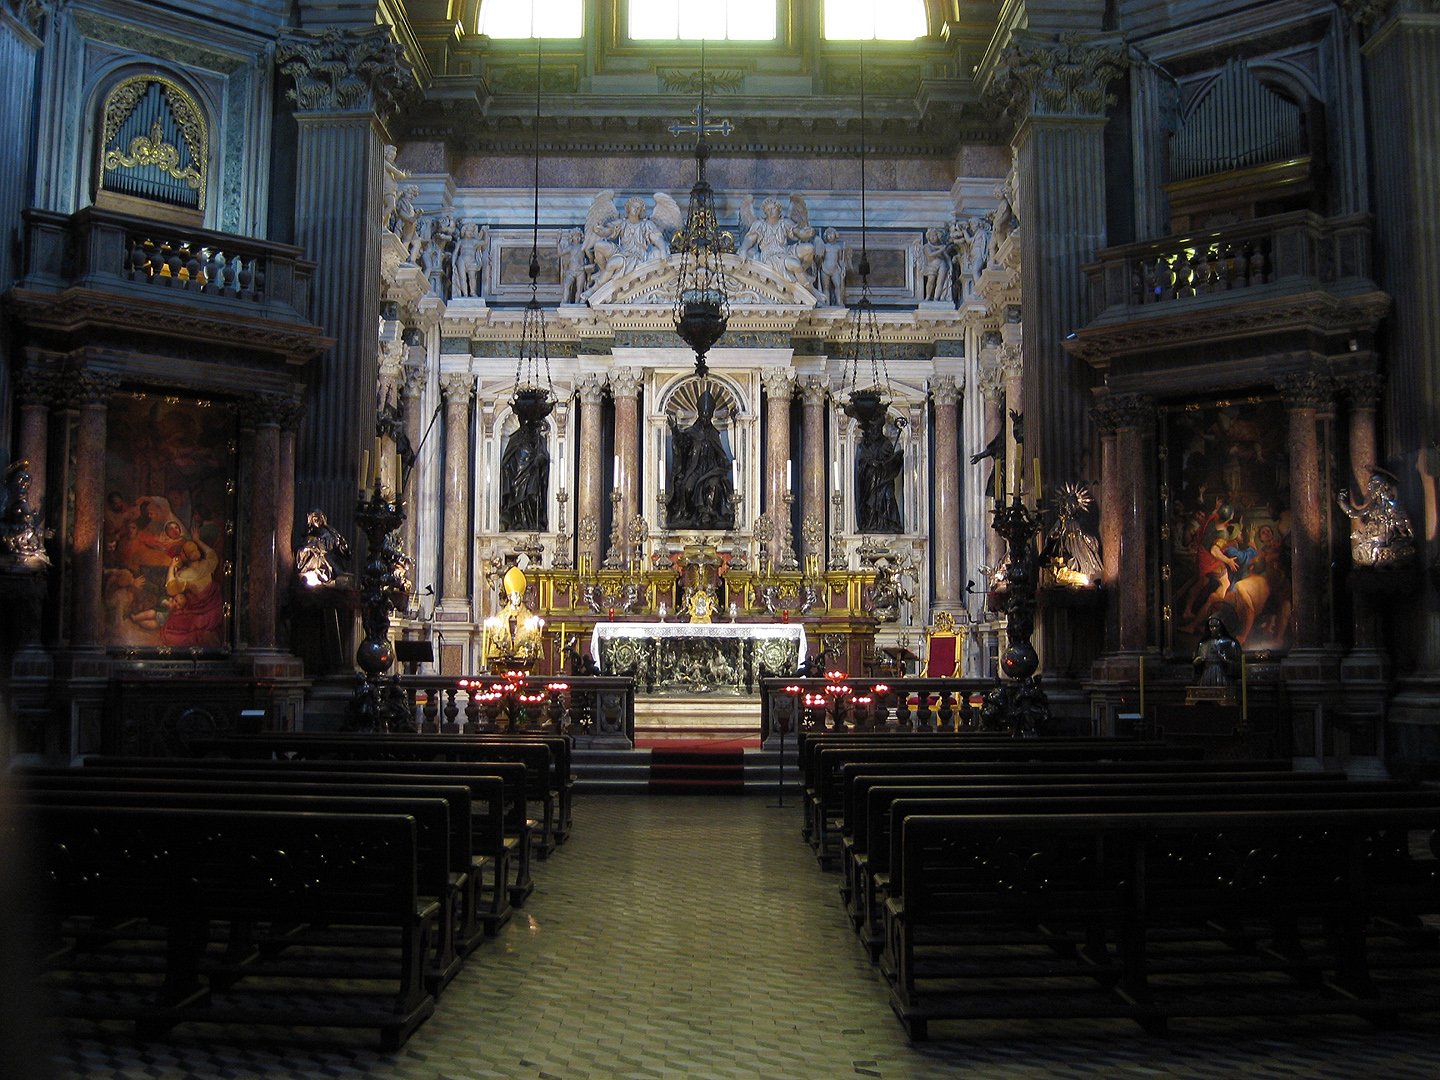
{"type": "Point", "coordinates": [754, 287]}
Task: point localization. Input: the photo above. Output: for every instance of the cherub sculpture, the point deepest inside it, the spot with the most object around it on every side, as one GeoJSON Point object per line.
{"type": "Point", "coordinates": [621, 242]}
{"type": "Point", "coordinates": [575, 265]}
{"type": "Point", "coordinates": [784, 243]}
{"type": "Point", "coordinates": [932, 264]}
{"type": "Point", "coordinates": [407, 219]}
{"type": "Point", "coordinates": [834, 263]}
{"type": "Point", "coordinates": [390, 177]}
{"type": "Point", "coordinates": [467, 262]}
{"type": "Point", "coordinates": [1380, 532]}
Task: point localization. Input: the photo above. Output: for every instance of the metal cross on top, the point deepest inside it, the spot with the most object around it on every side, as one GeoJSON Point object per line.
{"type": "Point", "coordinates": [712, 127]}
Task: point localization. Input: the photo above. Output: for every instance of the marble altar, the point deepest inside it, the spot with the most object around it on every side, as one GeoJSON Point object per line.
{"type": "Point", "coordinates": [684, 659]}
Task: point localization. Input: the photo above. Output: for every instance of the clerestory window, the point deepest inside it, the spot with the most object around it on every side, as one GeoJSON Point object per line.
{"type": "Point", "coordinates": [714, 20]}
{"type": "Point", "coordinates": [532, 18]}
{"type": "Point", "coordinates": [868, 20]}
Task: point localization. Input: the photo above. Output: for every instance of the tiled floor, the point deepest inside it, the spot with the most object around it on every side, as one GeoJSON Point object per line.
{"type": "Point", "coordinates": [695, 938]}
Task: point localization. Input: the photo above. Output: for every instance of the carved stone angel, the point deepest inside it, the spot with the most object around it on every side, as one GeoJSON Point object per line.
{"type": "Point", "coordinates": [620, 242]}
{"type": "Point", "coordinates": [932, 264]}
{"type": "Point", "coordinates": [832, 254]}
{"type": "Point", "coordinates": [786, 244]}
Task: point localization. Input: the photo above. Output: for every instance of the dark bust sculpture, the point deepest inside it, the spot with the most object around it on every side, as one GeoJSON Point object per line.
{"type": "Point", "coordinates": [1217, 656]}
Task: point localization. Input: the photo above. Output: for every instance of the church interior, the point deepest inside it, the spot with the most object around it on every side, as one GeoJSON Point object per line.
{"type": "Point", "coordinates": [638, 376]}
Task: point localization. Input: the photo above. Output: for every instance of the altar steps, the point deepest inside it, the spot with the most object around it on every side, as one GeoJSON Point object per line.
{"type": "Point", "coordinates": [629, 772]}
{"type": "Point", "coordinates": [704, 771]}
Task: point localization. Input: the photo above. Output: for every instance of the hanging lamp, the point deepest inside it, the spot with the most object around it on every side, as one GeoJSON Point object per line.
{"type": "Point", "coordinates": [531, 401]}
{"type": "Point", "coordinates": [702, 302]}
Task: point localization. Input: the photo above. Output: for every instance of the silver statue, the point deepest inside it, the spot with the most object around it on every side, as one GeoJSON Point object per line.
{"type": "Point", "coordinates": [1380, 532]}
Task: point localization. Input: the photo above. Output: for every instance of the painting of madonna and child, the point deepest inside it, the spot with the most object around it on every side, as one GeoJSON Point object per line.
{"type": "Point", "coordinates": [1228, 551]}
{"type": "Point", "coordinates": [167, 531]}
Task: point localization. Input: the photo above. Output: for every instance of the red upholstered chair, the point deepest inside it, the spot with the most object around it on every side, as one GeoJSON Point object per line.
{"type": "Point", "coordinates": [942, 655]}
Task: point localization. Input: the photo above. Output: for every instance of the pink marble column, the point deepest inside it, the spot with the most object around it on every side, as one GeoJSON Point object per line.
{"type": "Point", "coordinates": [625, 391]}
{"type": "Point", "coordinates": [1103, 415]}
{"type": "Point", "coordinates": [779, 386]}
{"type": "Point", "coordinates": [90, 391]}
{"type": "Point", "coordinates": [1134, 414]}
{"type": "Point", "coordinates": [260, 419]}
{"type": "Point", "coordinates": [945, 391]}
{"type": "Point", "coordinates": [589, 503]}
{"type": "Point", "coordinates": [34, 391]}
{"type": "Point", "coordinates": [1305, 395]}
{"type": "Point", "coordinates": [992, 388]}
{"type": "Point", "coordinates": [290, 417]}
{"type": "Point", "coordinates": [1364, 392]}
{"type": "Point", "coordinates": [814, 476]}
{"type": "Point", "coordinates": [455, 559]}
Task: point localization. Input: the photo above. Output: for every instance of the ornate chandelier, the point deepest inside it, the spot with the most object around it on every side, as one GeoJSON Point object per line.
{"type": "Point", "coordinates": [702, 302]}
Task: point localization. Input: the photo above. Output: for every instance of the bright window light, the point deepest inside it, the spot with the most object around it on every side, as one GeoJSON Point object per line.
{"type": "Point", "coordinates": [867, 20]}
{"type": "Point", "coordinates": [715, 20]}
{"type": "Point", "coordinates": [531, 18]}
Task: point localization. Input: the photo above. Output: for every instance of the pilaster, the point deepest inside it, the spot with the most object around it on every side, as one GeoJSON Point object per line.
{"type": "Point", "coordinates": [455, 551]}
{"type": "Point", "coordinates": [945, 391]}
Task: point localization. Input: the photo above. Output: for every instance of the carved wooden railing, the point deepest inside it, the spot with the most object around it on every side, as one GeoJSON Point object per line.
{"type": "Point", "coordinates": [1293, 248]}
{"type": "Point", "coordinates": [595, 706]}
{"type": "Point", "coordinates": [905, 704]}
{"type": "Point", "coordinates": [103, 249]}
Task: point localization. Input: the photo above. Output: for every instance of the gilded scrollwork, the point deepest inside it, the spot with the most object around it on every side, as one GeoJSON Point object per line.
{"type": "Point", "coordinates": [151, 149]}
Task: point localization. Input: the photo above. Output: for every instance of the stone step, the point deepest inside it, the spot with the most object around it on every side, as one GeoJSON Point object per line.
{"type": "Point", "coordinates": [629, 771]}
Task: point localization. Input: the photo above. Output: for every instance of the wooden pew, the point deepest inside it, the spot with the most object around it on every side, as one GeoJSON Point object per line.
{"type": "Point", "coordinates": [965, 883]}
{"type": "Point", "coordinates": [872, 869]}
{"type": "Point", "coordinates": [185, 869]}
{"type": "Point", "coordinates": [544, 784]}
{"type": "Point", "coordinates": [825, 804]}
{"type": "Point", "coordinates": [438, 875]}
{"type": "Point", "coordinates": [866, 834]}
{"type": "Point", "coordinates": [500, 830]}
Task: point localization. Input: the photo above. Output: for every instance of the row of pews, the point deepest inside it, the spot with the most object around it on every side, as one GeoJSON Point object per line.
{"type": "Point", "coordinates": [991, 878]}
{"type": "Point", "coordinates": [300, 880]}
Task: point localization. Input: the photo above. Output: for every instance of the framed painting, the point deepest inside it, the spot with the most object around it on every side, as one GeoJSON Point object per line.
{"type": "Point", "coordinates": [1225, 528]}
{"type": "Point", "coordinates": [169, 523]}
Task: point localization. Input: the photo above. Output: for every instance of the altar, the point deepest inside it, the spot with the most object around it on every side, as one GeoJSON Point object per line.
{"type": "Point", "coordinates": [685, 659]}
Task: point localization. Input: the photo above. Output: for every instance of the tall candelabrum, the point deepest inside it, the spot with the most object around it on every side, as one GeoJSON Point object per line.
{"type": "Point", "coordinates": [1016, 703]}
{"type": "Point", "coordinates": [615, 558]}
{"type": "Point", "coordinates": [838, 559]}
{"type": "Point", "coordinates": [787, 546]}
{"type": "Point", "coordinates": [380, 702]}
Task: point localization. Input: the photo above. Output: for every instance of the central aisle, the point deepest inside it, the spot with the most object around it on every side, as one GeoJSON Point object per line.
{"type": "Point", "coordinates": [694, 938]}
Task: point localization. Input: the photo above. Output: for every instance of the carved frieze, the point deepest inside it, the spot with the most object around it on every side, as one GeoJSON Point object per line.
{"type": "Point", "coordinates": [343, 70]}
{"type": "Point", "coordinates": [1068, 77]}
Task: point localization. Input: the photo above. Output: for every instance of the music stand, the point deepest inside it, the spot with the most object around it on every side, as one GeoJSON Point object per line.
{"type": "Point", "coordinates": [414, 653]}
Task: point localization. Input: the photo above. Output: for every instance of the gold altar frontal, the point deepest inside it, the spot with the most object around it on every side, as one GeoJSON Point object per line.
{"type": "Point", "coordinates": [698, 659]}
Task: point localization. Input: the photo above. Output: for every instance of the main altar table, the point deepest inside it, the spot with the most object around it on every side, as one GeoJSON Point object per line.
{"type": "Point", "coordinates": [698, 658]}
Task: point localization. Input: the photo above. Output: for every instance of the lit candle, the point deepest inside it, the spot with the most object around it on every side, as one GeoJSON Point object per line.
{"type": "Point", "coordinates": [735, 472]}
{"type": "Point", "coordinates": [1036, 470]}
{"type": "Point", "coordinates": [836, 471]}
{"type": "Point", "coordinates": [615, 472]}
{"type": "Point", "coordinates": [1244, 689]}
{"type": "Point", "coordinates": [376, 475]}
{"type": "Point", "coordinates": [789, 475]}
{"type": "Point", "coordinates": [364, 469]}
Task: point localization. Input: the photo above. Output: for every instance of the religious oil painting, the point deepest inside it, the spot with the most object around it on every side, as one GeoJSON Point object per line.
{"type": "Point", "coordinates": [1227, 522]}
{"type": "Point", "coordinates": [168, 531]}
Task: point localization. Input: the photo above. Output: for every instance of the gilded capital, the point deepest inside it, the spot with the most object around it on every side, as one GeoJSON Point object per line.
{"type": "Point", "coordinates": [1306, 390]}
{"type": "Point", "coordinates": [1124, 411]}
{"type": "Point", "coordinates": [87, 389]}
{"type": "Point", "coordinates": [264, 409]}
{"type": "Point", "coordinates": [344, 70]}
{"type": "Point", "coordinates": [1068, 77]}
{"type": "Point", "coordinates": [946, 390]}
{"type": "Point", "coordinates": [1363, 390]}
{"type": "Point", "coordinates": [779, 383]}
{"type": "Point", "coordinates": [624, 382]}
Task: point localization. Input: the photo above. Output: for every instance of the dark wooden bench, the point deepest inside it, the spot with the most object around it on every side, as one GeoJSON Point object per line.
{"type": "Point", "coordinates": [185, 869]}
{"type": "Point", "coordinates": [871, 869]}
{"type": "Point", "coordinates": [500, 828]}
{"type": "Point", "coordinates": [984, 896]}
{"type": "Point", "coordinates": [866, 831]}
{"type": "Point", "coordinates": [543, 786]}
{"type": "Point", "coordinates": [825, 803]}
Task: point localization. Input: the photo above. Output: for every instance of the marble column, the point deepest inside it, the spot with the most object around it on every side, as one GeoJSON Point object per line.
{"type": "Point", "coordinates": [1106, 420]}
{"type": "Point", "coordinates": [945, 390]}
{"type": "Point", "coordinates": [1012, 374]}
{"type": "Point", "coordinates": [1133, 416]}
{"type": "Point", "coordinates": [992, 389]}
{"type": "Point", "coordinates": [21, 26]}
{"type": "Point", "coordinates": [779, 387]}
{"type": "Point", "coordinates": [347, 83]}
{"type": "Point", "coordinates": [89, 392]}
{"type": "Point", "coordinates": [1305, 396]}
{"type": "Point", "coordinates": [455, 554]}
{"type": "Point", "coordinates": [1058, 91]}
{"type": "Point", "coordinates": [260, 422]}
{"type": "Point", "coordinates": [625, 391]}
{"type": "Point", "coordinates": [415, 423]}
{"type": "Point", "coordinates": [1364, 393]}
{"type": "Point", "coordinates": [290, 416]}
{"type": "Point", "coordinates": [814, 475]}
{"type": "Point", "coordinates": [589, 502]}
{"type": "Point", "coordinates": [34, 392]}
{"type": "Point", "coordinates": [389, 381]}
